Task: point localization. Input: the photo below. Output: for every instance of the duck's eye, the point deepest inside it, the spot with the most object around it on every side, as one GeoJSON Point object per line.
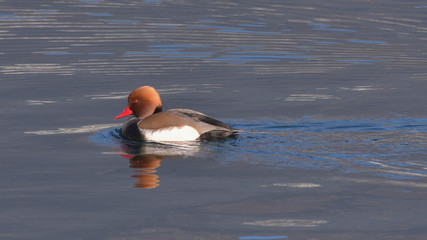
{"type": "Point", "coordinates": [135, 101]}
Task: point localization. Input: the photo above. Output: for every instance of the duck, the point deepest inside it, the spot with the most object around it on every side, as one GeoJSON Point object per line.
{"type": "Point", "coordinates": [149, 123]}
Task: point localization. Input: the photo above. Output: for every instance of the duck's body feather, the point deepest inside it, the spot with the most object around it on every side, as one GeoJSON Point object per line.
{"type": "Point", "coordinates": [175, 125]}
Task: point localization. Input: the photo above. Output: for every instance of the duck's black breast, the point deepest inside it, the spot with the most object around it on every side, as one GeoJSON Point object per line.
{"type": "Point", "coordinates": [130, 130]}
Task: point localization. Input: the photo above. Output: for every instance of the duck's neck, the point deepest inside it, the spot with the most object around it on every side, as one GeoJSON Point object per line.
{"type": "Point", "coordinates": [157, 110]}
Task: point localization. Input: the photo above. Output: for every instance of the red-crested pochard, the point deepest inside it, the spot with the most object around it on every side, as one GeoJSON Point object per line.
{"type": "Point", "coordinates": [150, 123]}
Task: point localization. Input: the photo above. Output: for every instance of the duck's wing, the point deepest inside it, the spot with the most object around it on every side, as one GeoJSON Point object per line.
{"type": "Point", "coordinates": [201, 117]}
{"type": "Point", "coordinates": [207, 126]}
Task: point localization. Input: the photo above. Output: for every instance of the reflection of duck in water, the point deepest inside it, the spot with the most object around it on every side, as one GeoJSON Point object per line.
{"type": "Point", "coordinates": [146, 158]}
{"type": "Point", "coordinates": [152, 124]}
{"type": "Point", "coordinates": [146, 165]}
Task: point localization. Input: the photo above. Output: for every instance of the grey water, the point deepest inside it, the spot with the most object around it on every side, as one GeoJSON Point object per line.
{"type": "Point", "coordinates": [329, 97]}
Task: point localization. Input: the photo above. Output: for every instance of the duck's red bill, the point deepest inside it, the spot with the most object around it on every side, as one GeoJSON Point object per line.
{"type": "Point", "coordinates": [125, 113]}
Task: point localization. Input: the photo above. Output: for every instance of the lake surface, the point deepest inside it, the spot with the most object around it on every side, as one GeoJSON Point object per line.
{"type": "Point", "coordinates": [329, 97]}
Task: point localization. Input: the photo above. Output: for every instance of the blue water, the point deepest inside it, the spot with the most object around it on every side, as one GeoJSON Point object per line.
{"type": "Point", "coordinates": [383, 147]}
{"type": "Point", "coordinates": [262, 237]}
{"type": "Point", "coordinates": [329, 97]}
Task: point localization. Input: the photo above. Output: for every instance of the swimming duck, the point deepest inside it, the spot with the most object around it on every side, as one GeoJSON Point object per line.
{"type": "Point", "coordinates": [150, 123]}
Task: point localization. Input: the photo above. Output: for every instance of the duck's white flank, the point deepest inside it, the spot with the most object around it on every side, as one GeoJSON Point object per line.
{"type": "Point", "coordinates": [185, 133]}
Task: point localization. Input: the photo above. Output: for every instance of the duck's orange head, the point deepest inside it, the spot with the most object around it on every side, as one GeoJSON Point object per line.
{"type": "Point", "coordinates": [142, 102]}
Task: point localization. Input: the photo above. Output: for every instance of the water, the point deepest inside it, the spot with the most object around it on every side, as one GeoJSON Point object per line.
{"type": "Point", "coordinates": [329, 97]}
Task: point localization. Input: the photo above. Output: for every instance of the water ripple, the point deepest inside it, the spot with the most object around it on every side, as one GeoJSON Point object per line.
{"type": "Point", "coordinates": [392, 148]}
{"type": "Point", "coordinates": [331, 41]}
